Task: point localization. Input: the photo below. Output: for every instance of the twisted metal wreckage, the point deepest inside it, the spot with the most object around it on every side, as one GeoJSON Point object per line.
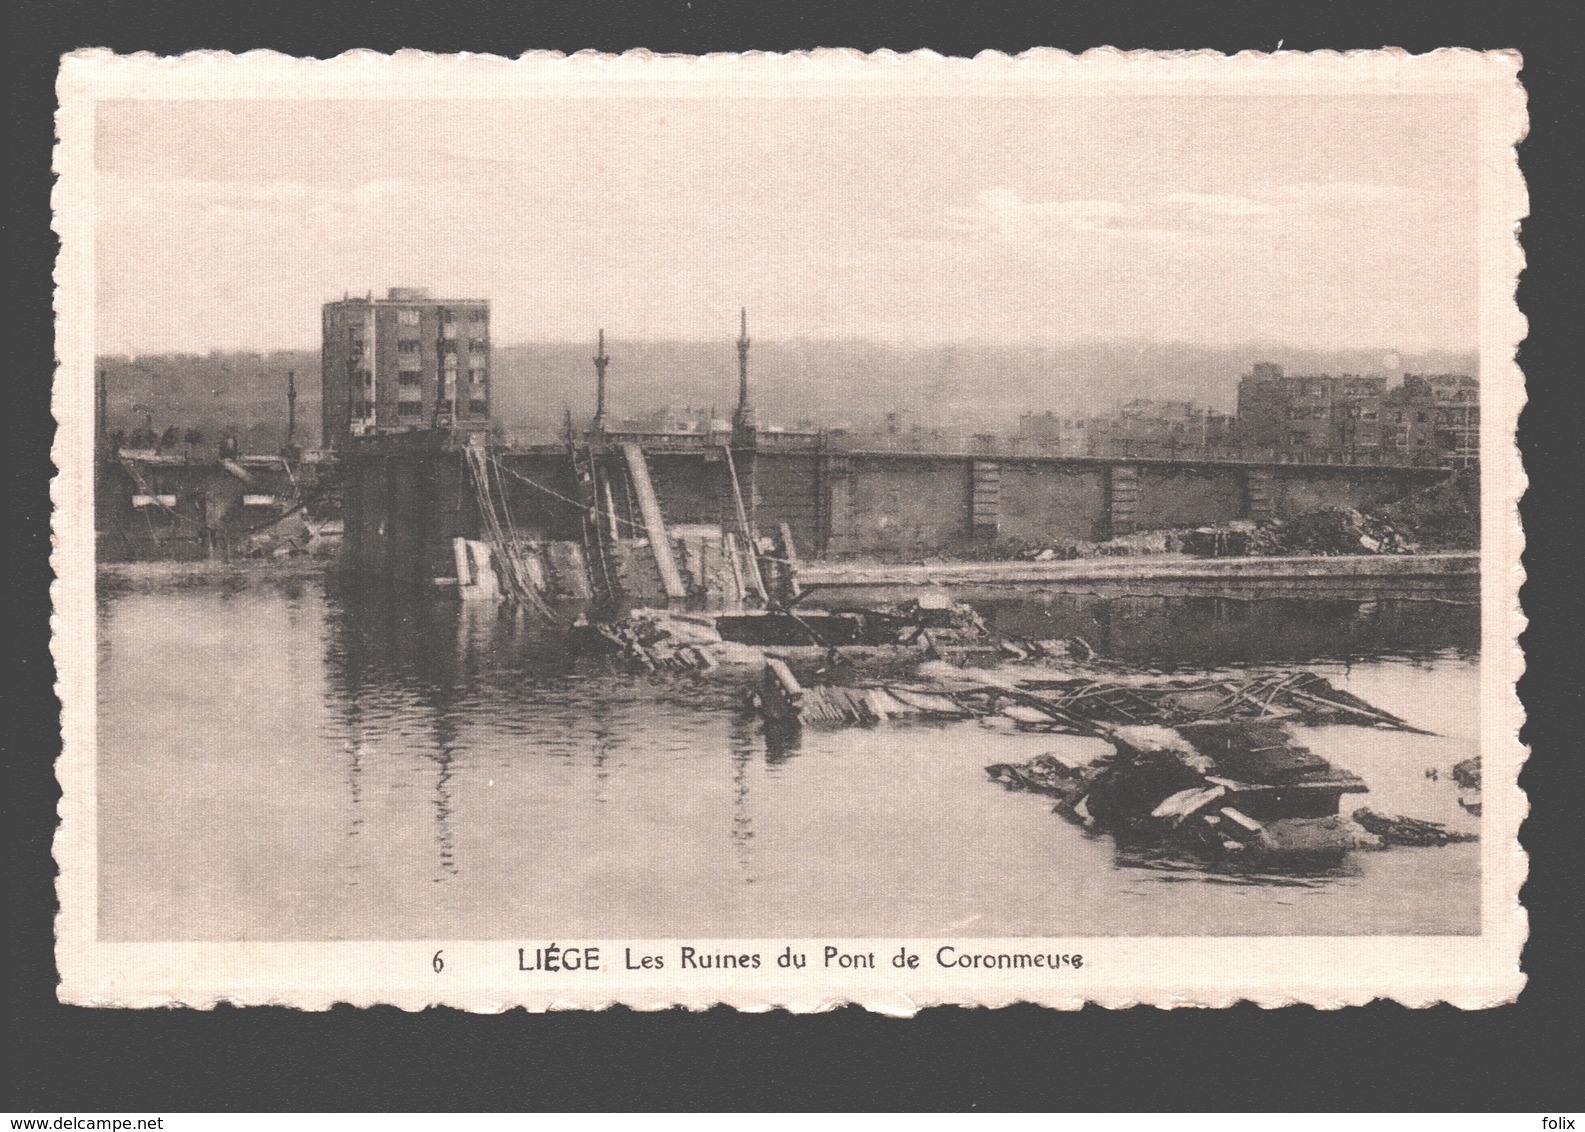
{"type": "Point", "coordinates": [1202, 764]}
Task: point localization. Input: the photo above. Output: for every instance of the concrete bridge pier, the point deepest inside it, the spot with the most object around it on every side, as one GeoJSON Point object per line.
{"type": "Point", "coordinates": [1261, 492]}
{"type": "Point", "coordinates": [1123, 499]}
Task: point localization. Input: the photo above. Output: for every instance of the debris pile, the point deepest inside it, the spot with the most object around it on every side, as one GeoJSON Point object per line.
{"type": "Point", "coordinates": [1444, 516]}
{"type": "Point", "coordinates": [1235, 540]}
{"type": "Point", "coordinates": [1203, 765]}
{"type": "Point", "coordinates": [294, 534]}
{"type": "Point", "coordinates": [1396, 830]}
{"type": "Point", "coordinates": [1466, 776]}
{"type": "Point", "coordinates": [1330, 531]}
{"type": "Point", "coordinates": [940, 614]}
{"type": "Point", "coordinates": [1123, 546]}
{"type": "Point", "coordinates": [660, 642]}
{"type": "Point", "coordinates": [1064, 648]}
{"type": "Point", "coordinates": [1238, 788]}
{"type": "Point", "coordinates": [1044, 774]}
{"type": "Point", "coordinates": [1089, 706]}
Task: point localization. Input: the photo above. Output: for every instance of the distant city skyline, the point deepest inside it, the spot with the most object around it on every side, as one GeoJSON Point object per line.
{"type": "Point", "coordinates": [1326, 224]}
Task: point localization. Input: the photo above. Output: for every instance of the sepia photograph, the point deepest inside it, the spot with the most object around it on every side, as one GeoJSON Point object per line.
{"type": "Point", "coordinates": [674, 535]}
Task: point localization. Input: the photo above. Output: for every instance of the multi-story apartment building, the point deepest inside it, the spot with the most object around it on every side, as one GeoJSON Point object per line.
{"type": "Point", "coordinates": [1434, 418]}
{"type": "Point", "coordinates": [1313, 413]}
{"type": "Point", "coordinates": [404, 362]}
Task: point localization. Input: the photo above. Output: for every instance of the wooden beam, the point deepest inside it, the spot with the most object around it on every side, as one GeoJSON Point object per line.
{"type": "Point", "coordinates": [654, 523]}
{"type": "Point", "coordinates": [748, 531]}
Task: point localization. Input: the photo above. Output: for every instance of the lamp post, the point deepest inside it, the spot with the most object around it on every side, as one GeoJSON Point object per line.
{"type": "Point", "coordinates": [600, 362]}
{"type": "Point", "coordinates": [744, 418]}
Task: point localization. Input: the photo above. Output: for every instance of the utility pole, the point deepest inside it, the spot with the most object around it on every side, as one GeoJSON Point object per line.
{"type": "Point", "coordinates": [291, 407]}
{"type": "Point", "coordinates": [101, 409]}
{"type": "Point", "coordinates": [600, 362]}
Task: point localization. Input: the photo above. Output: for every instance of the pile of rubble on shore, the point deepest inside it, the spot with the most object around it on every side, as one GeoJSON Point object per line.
{"type": "Point", "coordinates": [1442, 517]}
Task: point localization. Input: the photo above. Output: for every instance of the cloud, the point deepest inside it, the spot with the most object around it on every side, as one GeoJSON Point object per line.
{"type": "Point", "coordinates": [1219, 204]}
{"type": "Point", "coordinates": [1001, 215]}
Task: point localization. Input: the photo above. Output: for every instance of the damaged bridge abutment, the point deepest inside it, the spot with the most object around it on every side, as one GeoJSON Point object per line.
{"type": "Point", "coordinates": [407, 496]}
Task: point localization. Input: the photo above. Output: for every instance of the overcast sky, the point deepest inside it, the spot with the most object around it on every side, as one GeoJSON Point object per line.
{"type": "Point", "coordinates": [1346, 222]}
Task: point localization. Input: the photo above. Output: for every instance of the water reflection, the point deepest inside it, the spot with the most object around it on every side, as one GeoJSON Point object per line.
{"type": "Point", "coordinates": [1294, 871]}
{"type": "Point", "coordinates": [1210, 632]}
{"type": "Point", "coordinates": [349, 763]}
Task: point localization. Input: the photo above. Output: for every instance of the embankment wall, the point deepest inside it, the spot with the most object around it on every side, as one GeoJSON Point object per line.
{"type": "Point", "coordinates": [405, 502]}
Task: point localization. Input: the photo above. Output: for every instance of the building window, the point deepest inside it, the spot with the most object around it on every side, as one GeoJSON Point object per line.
{"type": "Point", "coordinates": [478, 408]}
{"type": "Point", "coordinates": [477, 376]}
{"type": "Point", "coordinates": [478, 314]}
{"type": "Point", "coordinates": [407, 346]}
{"type": "Point", "coordinates": [409, 408]}
{"type": "Point", "coordinates": [407, 317]}
{"type": "Point", "coordinates": [410, 377]}
{"type": "Point", "coordinates": [448, 330]}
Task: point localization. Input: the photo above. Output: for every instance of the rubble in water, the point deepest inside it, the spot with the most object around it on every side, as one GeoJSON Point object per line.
{"type": "Point", "coordinates": [1091, 705]}
{"type": "Point", "coordinates": [1466, 776]}
{"type": "Point", "coordinates": [1245, 793]}
{"type": "Point", "coordinates": [1398, 830]}
{"type": "Point", "coordinates": [1203, 765]}
{"type": "Point", "coordinates": [659, 641]}
{"type": "Point", "coordinates": [1239, 789]}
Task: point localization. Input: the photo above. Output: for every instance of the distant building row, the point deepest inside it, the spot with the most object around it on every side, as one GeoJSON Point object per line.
{"type": "Point", "coordinates": [1141, 427]}
{"type": "Point", "coordinates": [409, 361]}
{"type": "Point", "coordinates": [1428, 419]}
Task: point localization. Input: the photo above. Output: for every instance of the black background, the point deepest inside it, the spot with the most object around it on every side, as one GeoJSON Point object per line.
{"type": "Point", "coordinates": [1526, 1056]}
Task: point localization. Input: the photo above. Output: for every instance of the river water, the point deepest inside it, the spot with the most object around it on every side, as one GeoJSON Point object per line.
{"type": "Point", "coordinates": [286, 758]}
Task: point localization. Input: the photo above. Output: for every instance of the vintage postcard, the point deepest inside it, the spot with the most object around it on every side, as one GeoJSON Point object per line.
{"type": "Point", "coordinates": [789, 531]}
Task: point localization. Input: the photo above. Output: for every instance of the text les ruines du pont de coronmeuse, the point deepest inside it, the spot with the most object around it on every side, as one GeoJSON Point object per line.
{"type": "Point", "coordinates": [580, 959]}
